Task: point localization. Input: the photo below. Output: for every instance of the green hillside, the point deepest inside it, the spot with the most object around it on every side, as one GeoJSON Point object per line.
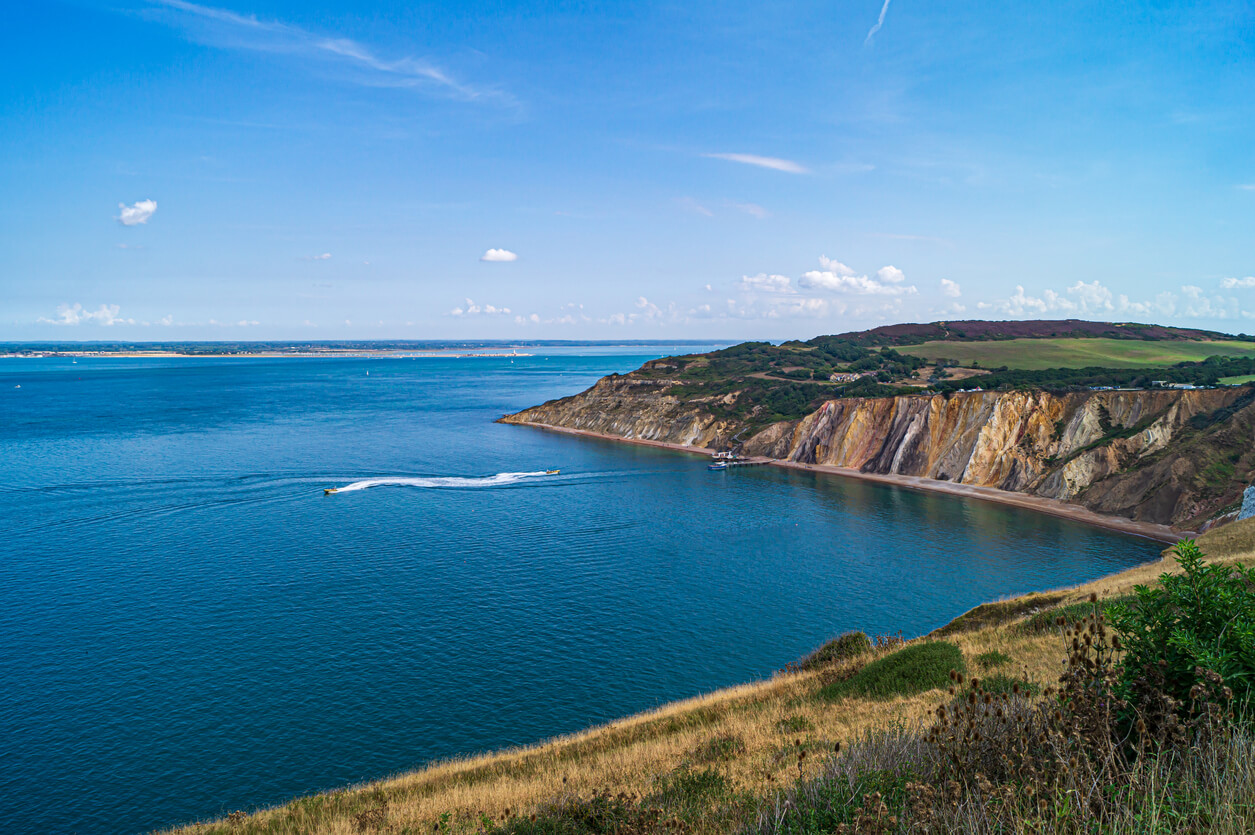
{"type": "Point", "coordinates": [1037, 354]}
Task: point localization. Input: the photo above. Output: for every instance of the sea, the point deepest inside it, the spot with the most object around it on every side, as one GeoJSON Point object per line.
{"type": "Point", "coordinates": [189, 626]}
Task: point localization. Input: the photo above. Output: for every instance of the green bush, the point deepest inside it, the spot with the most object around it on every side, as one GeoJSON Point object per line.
{"type": "Point", "coordinates": [841, 805]}
{"type": "Point", "coordinates": [992, 659]}
{"type": "Point", "coordinates": [1001, 683]}
{"type": "Point", "coordinates": [908, 671]}
{"type": "Point", "coordinates": [1049, 619]}
{"type": "Point", "coordinates": [1200, 620]}
{"type": "Point", "coordinates": [841, 648]}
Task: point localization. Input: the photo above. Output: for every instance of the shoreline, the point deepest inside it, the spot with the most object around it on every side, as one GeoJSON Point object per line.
{"type": "Point", "coordinates": [1024, 501]}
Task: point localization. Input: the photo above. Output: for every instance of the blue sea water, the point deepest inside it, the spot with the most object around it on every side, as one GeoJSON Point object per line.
{"type": "Point", "coordinates": [188, 626]}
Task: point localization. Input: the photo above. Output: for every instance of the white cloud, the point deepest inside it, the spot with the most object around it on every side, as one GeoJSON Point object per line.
{"type": "Point", "coordinates": [763, 283]}
{"type": "Point", "coordinates": [166, 320]}
{"type": "Point", "coordinates": [1246, 186]}
{"type": "Point", "coordinates": [890, 275]}
{"type": "Point", "coordinates": [499, 256]}
{"type": "Point", "coordinates": [1233, 283]}
{"type": "Point", "coordinates": [326, 256]}
{"type": "Point", "coordinates": [950, 288]}
{"type": "Point", "coordinates": [228, 29]}
{"type": "Point", "coordinates": [838, 278]}
{"type": "Point", "coordinates": [1093, 299]}
{"type": "Point", "coordinates": [473, 309]}
{"type": "Point", "coordinates": [709, 288]}
{"type": "Point", "coordinates": [648, 309]}
{"type": "Point", "coordinates": [774, 163]}
{"type": "Point", "coordinates": [880, 21]}
{"type": "Point", "coordinates": [76, 314]}
{"type": "Point", "coordinates": [244, 323]}
{"type": "Point", "coordinates": [136, 214]}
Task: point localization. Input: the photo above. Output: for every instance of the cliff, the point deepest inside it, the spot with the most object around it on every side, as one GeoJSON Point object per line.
{"type": "Point", "coordinates": [1174, 457]}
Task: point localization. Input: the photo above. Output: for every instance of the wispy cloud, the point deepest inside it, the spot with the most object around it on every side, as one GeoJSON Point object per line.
{"type": "Point", "coordinates": [951, 288]}
{"type": "Point", "coordinates": [230, 29]}
{"type": "Point", "coordinates": [688, 204]}
{"type": "Point", "coordinates": [752, 209]}
{"type": "Point", "coordinates": [763, 283]}
{"type": "Point", "coordinates": [774, 163]}
{"type": "Point", "coordinates": [136, 214]}
{"type": "Point", "coordinates": [1245, 186]}
{"type": "Point", "coordinates": [326, 256]}
{"type": "Point", "coordinates": [880, 21]}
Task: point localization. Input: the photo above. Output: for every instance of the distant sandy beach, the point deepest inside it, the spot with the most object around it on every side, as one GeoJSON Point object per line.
{"type": "Point", "coordinates": [1054, 507]}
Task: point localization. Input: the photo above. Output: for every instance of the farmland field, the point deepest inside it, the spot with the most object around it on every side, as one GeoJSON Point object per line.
{"type": "Point", "coordinates": [1035, 354]}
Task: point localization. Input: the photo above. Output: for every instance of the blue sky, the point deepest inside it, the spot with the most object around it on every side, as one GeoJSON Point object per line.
{"type": "Point", "coordinates": [256, 169]}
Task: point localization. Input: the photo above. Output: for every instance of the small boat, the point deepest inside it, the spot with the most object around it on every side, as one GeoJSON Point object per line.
{"type": "Point", "coordinates": [717, 466]}
{"type": "Point", "coordinates": [327, 491]}
{"type": "Point", "coordinates": [552, 472]}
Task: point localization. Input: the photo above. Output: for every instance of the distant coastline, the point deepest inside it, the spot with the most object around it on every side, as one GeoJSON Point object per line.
{"type": "Point", "coordinates": [360, 354]}
{"type": "Point", "coordinates": [333, 348]}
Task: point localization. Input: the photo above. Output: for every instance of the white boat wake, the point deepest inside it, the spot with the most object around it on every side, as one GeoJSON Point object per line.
{"type": "Point", "coordinates": [498, 480]}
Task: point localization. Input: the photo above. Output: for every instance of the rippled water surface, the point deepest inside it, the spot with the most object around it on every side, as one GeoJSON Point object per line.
{"type": "Point", "coordinates": [188, 626]}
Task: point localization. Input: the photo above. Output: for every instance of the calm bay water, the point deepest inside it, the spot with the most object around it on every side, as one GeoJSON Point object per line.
{"type": "Point", "coordinates": [187, 626]}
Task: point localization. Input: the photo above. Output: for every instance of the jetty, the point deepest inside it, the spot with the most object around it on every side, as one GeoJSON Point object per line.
{"type": "Point", "coordinates": [727, 460]}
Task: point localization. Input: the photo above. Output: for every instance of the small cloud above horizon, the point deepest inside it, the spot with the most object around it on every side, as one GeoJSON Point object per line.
{"type": "Point", "coordinates": [499, 256]}
{"type": "Point", "coordinates": [136, 214]}
{"type": "Point", "coordinates": [76, 314]}
{"type": "Point", "coordinates": [326, 256]}
{"type": "Point", "coordinates": [473, 309]}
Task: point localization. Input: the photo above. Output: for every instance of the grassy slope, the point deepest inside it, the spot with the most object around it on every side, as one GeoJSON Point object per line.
{"type": "Point", "coordinates": [1038, 354]}
{"type": "Point", "coordinates": [750, 736]}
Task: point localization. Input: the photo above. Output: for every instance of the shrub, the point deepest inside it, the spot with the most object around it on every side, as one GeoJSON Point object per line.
{"type": "Point", "coordinates": [1062, 616]}
{"type": "Point", "coordinates": [907, 672]}
{"type": "Point", "coordinates": [1190, 628]}
{"type": "Point", "coordinates": [993, 658]}
{"type": "Point", "coordinates": [1001, 683]}
{"type": "Point", "coordinates": [841, 648]}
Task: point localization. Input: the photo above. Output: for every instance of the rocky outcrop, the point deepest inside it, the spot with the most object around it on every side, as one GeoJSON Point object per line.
{"type": "Point", "coordinates": [1167, 456]}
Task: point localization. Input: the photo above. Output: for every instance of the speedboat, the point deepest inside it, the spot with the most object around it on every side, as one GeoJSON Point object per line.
{"type": "Point", "coordinates": [327, 491]}
{"type": "Point", "coordinates": [552, 472]}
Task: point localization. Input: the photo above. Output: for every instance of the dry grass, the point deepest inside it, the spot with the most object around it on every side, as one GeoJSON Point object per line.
{"type": "Point", "coordinates": [752, 735]}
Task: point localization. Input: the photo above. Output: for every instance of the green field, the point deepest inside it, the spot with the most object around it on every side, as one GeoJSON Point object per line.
{"type": "Point", "coordinates": [1036, 354]}
{"type": "Point", "coordinates": [1238, 381]}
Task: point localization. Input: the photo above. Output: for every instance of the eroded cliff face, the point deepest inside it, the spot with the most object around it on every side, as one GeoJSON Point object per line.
{"type": "Point", "coordinates": [1158, 455]}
